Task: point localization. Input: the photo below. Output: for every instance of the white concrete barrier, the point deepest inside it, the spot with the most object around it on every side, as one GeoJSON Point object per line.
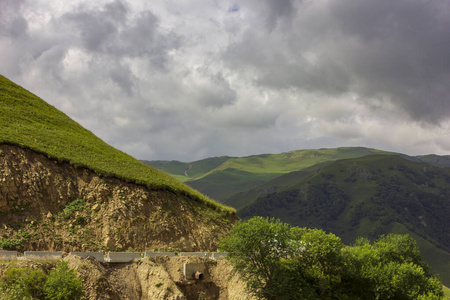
{"type": "Point", "coordinates": [8, 255]}
{"type": "Point", "coordinates": [199, 254]}
{"type": "Point", "coordinates": [122, 256]}
{"type": "Point", "coordinates": [42, 255]}
{"type": "Point", "coordinates": [97, 255]}
{"type": "Point", "coordinates": [219, 255]}
{"type": "Point", "coordinates": [154, 254]}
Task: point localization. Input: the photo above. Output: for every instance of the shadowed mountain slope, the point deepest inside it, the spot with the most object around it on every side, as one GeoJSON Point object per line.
{"type": "Point", "coordinates": [366, 196]}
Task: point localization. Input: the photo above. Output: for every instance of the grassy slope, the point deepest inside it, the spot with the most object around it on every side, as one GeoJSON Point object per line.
{"type": "Point", "coordinates": [223, 177]}
{"type": "Point", "coordinates": [280, 183]}
{"type": "Point", "coordinates": [225, 183]}
{"type": "Point", "coordinates": [446, 293]}
{"type": "Point", "coordinates": [293, 160]}
{"type": "Point", "coordinates": [242, 174]}
{"type": "Point", "coordinates": [193, 169]}
{"type": "Point", "coordinates": [360, 179]}
{"type": "Point", "coordinates": [28, 121]}
{"type": "Point", "coordinates": [437, 160]}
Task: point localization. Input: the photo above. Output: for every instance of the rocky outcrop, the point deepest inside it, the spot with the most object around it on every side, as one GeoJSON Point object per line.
{"type": "Point", "coordinates": [50, 205]}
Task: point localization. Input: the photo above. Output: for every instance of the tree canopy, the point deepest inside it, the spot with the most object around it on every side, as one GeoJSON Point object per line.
{"type": "Point", "coordinates": [278, 261]}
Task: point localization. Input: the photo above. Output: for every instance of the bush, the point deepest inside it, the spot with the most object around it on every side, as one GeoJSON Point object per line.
{"type": "Point", "coordinates": [28, 284]}
{"type": "Point", "coordinates": [22, 283]}
{"type": "Point", "coordinates": [63, 284]}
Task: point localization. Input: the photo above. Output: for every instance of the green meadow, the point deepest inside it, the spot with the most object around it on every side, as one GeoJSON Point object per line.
{"type": "Point", "coordinates": [223, 177]}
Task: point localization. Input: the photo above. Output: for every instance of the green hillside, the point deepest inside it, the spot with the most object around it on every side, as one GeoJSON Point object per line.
{"type": "Point", "coordinates": [187, 171]}
{"type": "Point", "coordinates": [29, 122]}
{"type": "Point", "coordinates": [365, 196]}
{"type": "Point", "coordinates": [446, 293]}
{"type": "Point", "coordinates": [293, 160]}
{"type": "Point", "coordinates": [436, 160]}
{"type": "Point", "coordinates": [223, 177]}
{"type": "Point", "coordinates": [280, 183]}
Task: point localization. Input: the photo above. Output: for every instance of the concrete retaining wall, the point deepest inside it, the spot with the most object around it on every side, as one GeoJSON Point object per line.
{"type": "Point", "coordinates": [154, 254]}
{"type": "Point", "coordinates": [97, 255]}
{"type": "Point", "coordinates": [219, 255]}
{"type": "Point", "coordinates": [199, 254]}
{"type": "Point", "coordinates": [42, 255]}
{"type": "Point", "coordinates": [8, 255]}
{"type": "Point", "coordinates": [121, 257]}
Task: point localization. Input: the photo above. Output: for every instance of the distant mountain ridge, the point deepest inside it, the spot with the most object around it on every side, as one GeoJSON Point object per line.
{"type": "Point", "coordinates": [222, 177]}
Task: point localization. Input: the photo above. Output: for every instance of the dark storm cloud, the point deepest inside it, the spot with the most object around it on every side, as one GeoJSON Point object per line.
{"type": "Point", "coordinates": [112, 31]}
{"type": "Point", "coordinates": [397, 50]}
{"type": "Point", "coordinates": [402, 50]}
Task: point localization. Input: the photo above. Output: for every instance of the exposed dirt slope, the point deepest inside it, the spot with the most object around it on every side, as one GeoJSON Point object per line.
{"type": "Point", "coordinates": [159, 278]}
{"type": "Point", "coordinates": [49, 205]}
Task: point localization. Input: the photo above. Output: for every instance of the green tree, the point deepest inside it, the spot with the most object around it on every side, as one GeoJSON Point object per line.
{"type": "Point", "coordinates": [318, 260]}
{"type": "Point", "coordinates": [282, 262]}
{"type": "Point", "coordinates": [390, 268]}
{"type": "Point", "coordinates": [63, 284]}
{"type": "Point", "coordinates": [256, 248]}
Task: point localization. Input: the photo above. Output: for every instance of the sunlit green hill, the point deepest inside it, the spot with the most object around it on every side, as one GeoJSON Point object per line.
{"type": "Point", "coordinates": [28, 121]}
{"type": "Point", "coordinates": [222, 177]}
{"type": "Point", "coordinates": [187, 171]}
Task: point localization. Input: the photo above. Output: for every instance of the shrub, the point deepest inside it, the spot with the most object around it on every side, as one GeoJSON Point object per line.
{"type": "Point", "coordinates": [22, 283]}
{"type": "Point", "coordinates": [63, 284]}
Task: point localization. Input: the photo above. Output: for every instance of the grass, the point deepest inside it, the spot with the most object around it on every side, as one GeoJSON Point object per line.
{"type": "Point", "coordinates": [225, 183]}
{"type": "Point", "coordinates": [257, 165]}
{"type": "Point", "coordinates": [29, 122]}
{"type": "Point", "coordinates": [446, 293]}
{"type": "Point", "coordinates": [193, 170]}
{"type": "Point", "coordinates": [294, 160]}
{"type": "Point", "coordinates": [223, 178]}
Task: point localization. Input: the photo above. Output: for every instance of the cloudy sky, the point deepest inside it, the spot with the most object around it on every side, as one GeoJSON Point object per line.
{"type": "Point", "coordinates": [186, 80]}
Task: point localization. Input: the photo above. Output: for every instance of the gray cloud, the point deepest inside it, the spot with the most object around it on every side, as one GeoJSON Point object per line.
{"type": "Point", "coordinates": [402, 51]}
{"type": "Point", "coordinates": [171, 80]}
{"type": "Point", "coordinates": [12, 24]}
{"type": "Point", "coordinates": [397, 50]}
